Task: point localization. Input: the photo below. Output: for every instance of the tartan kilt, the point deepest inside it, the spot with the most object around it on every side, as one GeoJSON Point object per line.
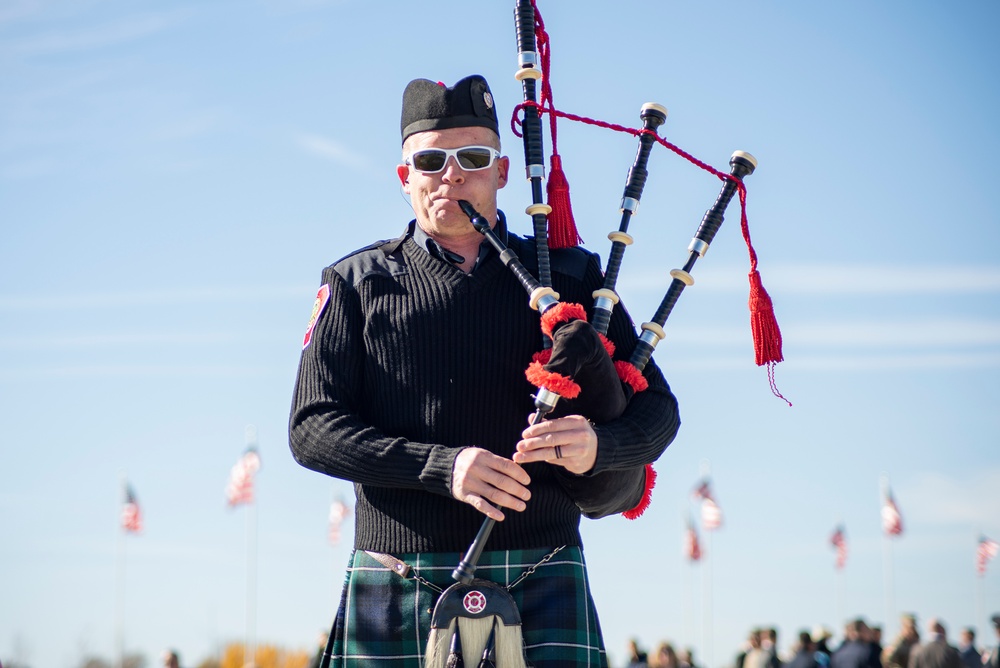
{"type": "Point", "coordinates": [384, 620]}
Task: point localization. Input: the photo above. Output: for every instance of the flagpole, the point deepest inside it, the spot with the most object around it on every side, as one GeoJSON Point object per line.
{"type": "Point", "coordinates": [687, 584]}
{"type": "Point", "coordinates": [887, 560]}
{"type": "Point", "coordinates": [840, 575]}
{"type": "Point", "coordinates": [706, 580]}
{"type": "Point", "coordinates": [250, 645]}
{"type": "Point", "coordinates": [250, 649]}
{"type": "Point", "coordinates": [840, 595]}
{"type": "Point", "coordinates": [120, 577]}
{"type": "Point", "coordinates": [981, 587]}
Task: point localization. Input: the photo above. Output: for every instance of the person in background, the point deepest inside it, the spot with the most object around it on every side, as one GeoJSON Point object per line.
{"type": "Point", "coordinates": [991, 658]}
{"type": "Point", "coordinates": [971, 657]}
{"type": "Point", "coordinates": [170, 659]}
{"type": "Point", "coordinates": [769, 647]}
{"type": "Point", "coordinates": [665, 657]}
{"type": "Point", "coordinates": [936, 652]}
{"type": "Point", "coordinates": [685, 658]}
{"type": "Point", "coordinates": [856, 651]}
{"type": "Point", "coordinates": [897, 654]}
{"type": "Point", "coordinates": [636, 657]}
{"type": "Point", "coordinates": [820, 637]}
{"type": "Point", "coordinates": [805, 653]}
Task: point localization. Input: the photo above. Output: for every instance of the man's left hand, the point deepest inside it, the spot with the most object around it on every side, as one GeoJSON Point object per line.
{"type": "Point", "coordinates": [569, 442]}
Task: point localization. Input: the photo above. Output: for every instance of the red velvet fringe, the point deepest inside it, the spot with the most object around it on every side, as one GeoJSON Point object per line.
{"type": "Point", "coordinates": [647, 496]}
{"type": "Point", "coordinates": [609, 345]}
{"type": "Point", "coordinates": [629, 374]}
{"type": "Point", "coordinates": [560, 313]}
{"type": "Point", "coordinates": [554, 382]}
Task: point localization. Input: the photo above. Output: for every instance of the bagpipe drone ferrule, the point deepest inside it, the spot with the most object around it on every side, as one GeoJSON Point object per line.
{"type": "Point", "coordinates": [545, 402]}
{"type": "Point", "coordinates": [698, 246]}
{"type": "Point", "coordinates": [652, 334]}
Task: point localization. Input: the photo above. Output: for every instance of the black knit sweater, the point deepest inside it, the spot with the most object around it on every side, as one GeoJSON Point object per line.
{"type": "Point", "coordinates": [413, 359]}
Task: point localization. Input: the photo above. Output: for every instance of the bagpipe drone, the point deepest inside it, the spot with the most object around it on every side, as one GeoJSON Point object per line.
{"type": "Point", "coordinates": [576, 355]}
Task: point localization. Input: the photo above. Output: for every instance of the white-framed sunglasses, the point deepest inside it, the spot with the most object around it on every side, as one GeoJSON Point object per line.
{"type": "Point", "coordinates": [469, 158]}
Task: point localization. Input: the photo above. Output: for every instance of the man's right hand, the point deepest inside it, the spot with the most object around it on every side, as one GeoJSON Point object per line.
{"type": "Point", "coordinates": [486, 481]}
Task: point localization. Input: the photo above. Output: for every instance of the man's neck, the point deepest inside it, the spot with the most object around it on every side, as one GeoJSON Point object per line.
{"type": "Point", "coordinates": [467, 246]}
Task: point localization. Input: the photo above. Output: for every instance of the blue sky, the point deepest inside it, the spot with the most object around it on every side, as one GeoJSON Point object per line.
{"type": "Point", "coordinates": [173, 177]}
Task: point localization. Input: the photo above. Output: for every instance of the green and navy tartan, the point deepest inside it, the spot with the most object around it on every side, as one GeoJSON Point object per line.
{"type": "Point", "coordinates": [384, 620]}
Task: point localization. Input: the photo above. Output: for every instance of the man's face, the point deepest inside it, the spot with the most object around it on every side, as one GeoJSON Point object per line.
{"type": "Point", "coordinates": [434, 196]}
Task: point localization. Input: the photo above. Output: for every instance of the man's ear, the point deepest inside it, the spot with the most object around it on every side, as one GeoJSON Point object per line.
{"type": "Point", "coordinates": [503, 167]}
{"type": "Point", "coordinates": [403, 172]}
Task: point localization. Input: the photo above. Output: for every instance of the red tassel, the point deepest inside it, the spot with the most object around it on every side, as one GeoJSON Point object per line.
{"type": "Point", "coordinates": [562, 227]}
{"type": "Point", "coordinates": [647, 496]}
{"type": "Point", "coordinates": [766, 335]}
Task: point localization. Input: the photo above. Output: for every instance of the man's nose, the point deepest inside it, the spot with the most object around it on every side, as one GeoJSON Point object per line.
{"type": "Point", "coordinates": [453, 172]}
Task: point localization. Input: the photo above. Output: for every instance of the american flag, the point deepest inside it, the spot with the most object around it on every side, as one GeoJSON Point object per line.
{"type": "Point", "coordinates": [339, 511]}
{"type": "Point", "coordinates": [692, 547]}
{"type": "Point", "coordinates": [240, 487]}
{"type": "Point", "coordinates": [703, 490]}
{"type": "Point", "coordinates": [987, 550]}
{"type": "Point", "coordinates": [892, 521]}
{"type": "Point", "coordinates": [131, 513]}
{"type": "Point", "coordinates": [711, 514]}
{"type": "Point", "coordinates": [839, 541]}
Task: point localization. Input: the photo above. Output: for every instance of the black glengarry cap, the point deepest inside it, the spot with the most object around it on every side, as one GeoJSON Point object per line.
{"type": "Point", "coordinates": [433, 106]}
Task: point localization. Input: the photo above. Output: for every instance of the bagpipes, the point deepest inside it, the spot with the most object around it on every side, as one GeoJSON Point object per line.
{"type": "Point", "coordinates": [476, 620]}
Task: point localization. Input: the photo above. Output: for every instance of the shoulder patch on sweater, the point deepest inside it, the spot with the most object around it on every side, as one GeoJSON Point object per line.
{"type": "Point", "coordinates": [322, 297]}
{"type": "Point", "coordinates": [379, 258]}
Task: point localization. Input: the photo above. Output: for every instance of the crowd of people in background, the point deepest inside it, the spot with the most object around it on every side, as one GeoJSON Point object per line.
{"type": "Point", "coordinates": [861, 647]}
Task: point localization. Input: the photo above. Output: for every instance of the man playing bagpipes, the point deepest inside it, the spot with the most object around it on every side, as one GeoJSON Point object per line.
{"type": "Point", "coordinates": [412, 385]}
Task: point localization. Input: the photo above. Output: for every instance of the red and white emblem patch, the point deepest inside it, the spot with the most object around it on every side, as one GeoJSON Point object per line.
{"type": "Point", "coordinates": [322, 297]}
{"type": "Point", "coordinates": [474, 602]}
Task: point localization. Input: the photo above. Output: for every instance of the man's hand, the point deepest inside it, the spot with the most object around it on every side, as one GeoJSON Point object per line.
{"type": "Point", "coordinates": [572, 435]}
{"type": "Point", "coordinates": [486, 481]}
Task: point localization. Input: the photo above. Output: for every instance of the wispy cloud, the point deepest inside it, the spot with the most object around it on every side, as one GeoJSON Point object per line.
{"type": "Point", "coordinates": [138, 371]}
{"type": "Point", "coordinates": [898, 334]}
{"type": "Point", "coordinates": [331, 149]}
{"type": "Point", "coordinates": [154, 297]}
{"type": "Point", "coordinates": [119, 32]}
{"type": "Point", "coordinates": [294, 6]}
{"type": "Point", "coordinates": [845, 333]}
{"type": "Point", "coordinates": [13, 10]}
{"type": "Point", "coordinates": [889, 362]}
{"type": "Point", "coordinates": [192, 125]}
{"type": "Point", "coordinates": [941, 499]}
{"type": "Point", "coordinates": [833, 362]}
{"type": "Point", "coordinates": [840, 279]}
{"type": "Point", "coordinates": [118, 340]}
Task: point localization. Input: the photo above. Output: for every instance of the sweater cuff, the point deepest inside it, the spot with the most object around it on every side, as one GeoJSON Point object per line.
{"type": "Point", "coordinates": [607, 446]}
{"type": "Point", "coordinates": [437, 472]}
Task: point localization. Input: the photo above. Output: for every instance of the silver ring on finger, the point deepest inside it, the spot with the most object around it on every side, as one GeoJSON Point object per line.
{"type": "Point", "coordinates": [558, 452]}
